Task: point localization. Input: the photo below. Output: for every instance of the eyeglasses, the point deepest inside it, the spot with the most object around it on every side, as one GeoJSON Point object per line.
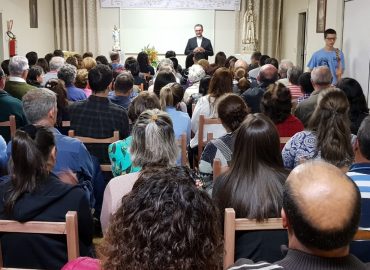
{"type": "Point", "coordinates": [333, 38]}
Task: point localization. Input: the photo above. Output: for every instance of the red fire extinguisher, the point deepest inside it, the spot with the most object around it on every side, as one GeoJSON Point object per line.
{"type": "Point", "coordinates": [12, 39]}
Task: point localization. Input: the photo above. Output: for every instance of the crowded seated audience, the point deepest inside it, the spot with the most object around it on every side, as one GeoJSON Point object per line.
{"type": "Point", "coordinates": [253, 186]}
{"type": "Point", "coordinates": [155, 214]}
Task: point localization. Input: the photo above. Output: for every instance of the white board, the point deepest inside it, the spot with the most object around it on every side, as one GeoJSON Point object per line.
{"type": "Point", "coordinates": [163, 29]}
{"type": "Point", "coordinates": [171, 4]}
{"type": "Point", "coordinates": [356, 42]}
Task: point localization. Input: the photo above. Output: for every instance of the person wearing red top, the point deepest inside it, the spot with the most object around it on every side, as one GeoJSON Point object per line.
{"type": "Point", "coordinates": [276, 103]}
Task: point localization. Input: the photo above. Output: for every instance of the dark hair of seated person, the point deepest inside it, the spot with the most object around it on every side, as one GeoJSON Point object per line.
{"type": "Point", "coordinates": [34, 74]}
{"type": "Point", "coordinates": [99, 78]}
{"type": "Point", "coordinates": [144, 101]}
{"type": "Point", "coordinates": [102, 60]}
{"type": "Point", "coordinates": [305, 83]}
{"type": "Point", "coordinates": [165, 222]}
{"type": "Point", "coordinates": [276, 103]}
{"type": "Point", "coordinates": [163, 78]}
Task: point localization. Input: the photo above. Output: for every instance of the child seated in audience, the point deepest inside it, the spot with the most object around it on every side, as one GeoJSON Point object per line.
{"type": "Point", "coordinates": [165, 222]}
{"type": "Point", "coordinates": [34, 193]}
{"type": "Point", "coordinates": [253, 186]}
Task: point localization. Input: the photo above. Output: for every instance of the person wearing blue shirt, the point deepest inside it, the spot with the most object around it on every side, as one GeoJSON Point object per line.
{"type": "Point", "coordinates": [3, 156]}
{"type": "Point", "coordinates": [67, 73]}
{"type": "Point", "coordinates": [329, 56]}
{"type": "Point", "coordinates": [359, 172]}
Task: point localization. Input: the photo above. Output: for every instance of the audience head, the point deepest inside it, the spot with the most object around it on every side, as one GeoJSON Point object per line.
{"type": "Point", "coordinates": [272, 61]}
{"type": "Point", "coordinates": [221, 83]}
{"type": "Point", "coordinates": [198, 56]}
{"type": "Point", "coordinates": [175, 63]}
{"type": "Point", "coordinates": [56, 63]}
{"type": "Point", "coordinates": [153, 128]}
{"type": "Point", "coordinates": [220, 59]}
{"type": "Point", "coordinates": [276, 103]}
{"type": "Point", "coordinates": [18, 66]}
{"type": "Point", "coordinates": [114, 56]}
{"type": "Point", "coordinates": [144, 101]}
{"type": "Point", "coordinates": [170, 54]}
{"type": "Point", "coordinates": [232, 110]}
{"type": "Point", "coordinates": [240, 63]}
{"type": "Point", "coordinates": [285, 64]}
{"type": "Point", "coordinates": [239, 73]}
{"type": "Point", "coordinates": [321, 77]}
{"type": "Point", "coordinates": [330, 121]}
{"type": "Point", "coordinates": [32, 58]}
{"type": "Point", "coordinates": [293, 75]}
{"type": "Point", "coordinates": [171, 95]}
{"type": "Point", "coordinates": [2, 78]}
{"type": "Point", "coordinates": [362, 148]}
{"type": "Point", "coordinates": [204, 64]}
{"type": "Point", "coordinates": [35, 75]}
{"type": "Point", "coordinates": [161, 224]}
{"type": "Point", "coordinates": [355, 96]}
{"type": "Point", "coordinates": [5, 66]}
{"type": "Point", "coordinates": [230, 62]}
{"type": "Point", "coordinates": [100, 77]}
{"type": "Point", "coordinates": [40, 106]}
{"type": "Point", "coordinates": [87, 54]}
{"type": "Point", "coordinates": [254, 182]}
{"type": "Point", "coordinates": [101, 59]}
{"type": "Point", "coordinates": [81, 78]}
{"type": "Point", "coordinates": [255, 58]}
{"type": "Point", "coordinates": [243, 85]}
{"type": "Point", "coordinates": [124, 82]}
{"type": "Point", "coordinates": [321, 210]}
{"type": "Point", "coordinates": [268, 74]}
{"type": "Point", "coordinates": [58, 87]}
{"type": "Point", "coordinates": [48, 57]}
{"type": "Point", "coordinates": [43, 64]}
{"type": "Point", "coordinates": [72, 61]}
{"type": "Point", "coordinates": [204, 85]}
{"type": "Point", "coordinates": [196, 73]}
{"type": "Point", "coordinates": [33, 156]}
{"type": "Point", "coordinates": [165, 62]}
{"type": "Point", "coordinates": [59, 53]}
{"type": "Point", "coordinates": [143, 60]}
{"type": "Point", "coordinates": [132, 65]}
{"type": "Point", "coordinates": [88, 63]}
{"type": "Point", "coordinates": [67, 73]}
{"type": "Point", "coordinates": [189, 61]}
{"type": "Point", "coordinates": [163, 78]}
{"type": "Point", "coordinates": [306, 83]}
{"type": "Point", "coordinates": [263, 59]}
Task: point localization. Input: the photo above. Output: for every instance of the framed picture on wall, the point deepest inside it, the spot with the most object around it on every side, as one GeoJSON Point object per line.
{"type": "Point", "coordinates": [321, 16]}
{"type": "Point", "coordinates": [33, 14]}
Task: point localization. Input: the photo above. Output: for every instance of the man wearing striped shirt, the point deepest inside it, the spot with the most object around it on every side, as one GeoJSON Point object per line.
{"type": "Point", "coordinates": [359, 172]}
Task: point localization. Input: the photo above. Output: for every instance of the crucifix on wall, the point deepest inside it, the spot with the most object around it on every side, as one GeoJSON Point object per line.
{"type": "Point", "coordinates": [33, 14]}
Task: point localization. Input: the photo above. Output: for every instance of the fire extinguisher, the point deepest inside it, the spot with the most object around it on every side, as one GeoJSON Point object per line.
{"type": "Point", "coordinates": [12, 39]}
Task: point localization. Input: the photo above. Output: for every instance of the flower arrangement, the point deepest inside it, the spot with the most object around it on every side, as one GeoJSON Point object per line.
{"type": "Point", "coordinates": [152, 55]}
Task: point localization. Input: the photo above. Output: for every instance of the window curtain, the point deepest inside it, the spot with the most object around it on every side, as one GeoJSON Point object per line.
{"type": "Point", "coordinates": [75, 24]}
{"type": "Point", "coordinates": [268, 25]}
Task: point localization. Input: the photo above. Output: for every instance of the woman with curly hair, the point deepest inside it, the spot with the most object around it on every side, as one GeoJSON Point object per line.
{"type": "Point", "coordinates": [328, 135]}
{"type": "Point", "coordinates": [165, 222]}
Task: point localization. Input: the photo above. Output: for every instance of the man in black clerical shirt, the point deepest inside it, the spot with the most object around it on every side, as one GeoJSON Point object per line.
{"type": "Point", "coordinates": [199, 43]}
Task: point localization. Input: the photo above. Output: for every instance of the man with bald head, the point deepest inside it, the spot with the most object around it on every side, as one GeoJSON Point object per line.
{"type": "Point", "coordinates": [321, 79]}
{"type": "Point", "coordinates": [268, 74]}
{"type": "Point", "coordinates": [321, 211]}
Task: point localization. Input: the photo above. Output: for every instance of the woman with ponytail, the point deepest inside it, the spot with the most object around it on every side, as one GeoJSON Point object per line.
{"type": "Point", "coordinates": [328, 136]}
{"type": "Point", "coordinates": [34, 193]}
{"type": "Point", "coordinates": [170, 98]}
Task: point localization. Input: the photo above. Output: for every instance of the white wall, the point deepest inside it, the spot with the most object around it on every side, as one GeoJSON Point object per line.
{"type": "Point", "coordinates": [224, 34]}
{"type": "Point", "coordinates": [39, 39]}
{"type": "Point", "coordinates": [314, 41]}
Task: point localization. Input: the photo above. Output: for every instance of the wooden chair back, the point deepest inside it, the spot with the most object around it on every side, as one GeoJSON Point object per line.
{"type": "Point", "coordinates": [69, 228]}
{"type": "Point", "coordinates": [203, 122]}
{"type": "Point", "coordinates": [181, 142]}
{"type": "Point", "coordinates": [218, 169]}
{"type": "Point", "coordinates": [232, 224]}
{"type": "Point", "coordinates": [11, 124]}
{"type": "Point", "coordinates": [103, 167]}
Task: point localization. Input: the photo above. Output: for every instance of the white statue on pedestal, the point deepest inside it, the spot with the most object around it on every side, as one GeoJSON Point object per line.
{"type": "Point", "coordinates": [249, 40]}
{"type": "Point", "coordinates": [115, 36]}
